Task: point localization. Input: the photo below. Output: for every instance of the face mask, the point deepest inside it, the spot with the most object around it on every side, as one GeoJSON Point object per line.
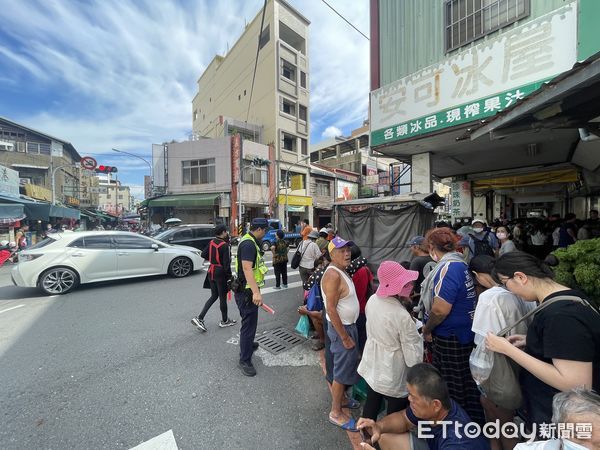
{"type": "Point", "coordinates": [501, 235]}
{"type": "Point", "coordinates": [477, 230]}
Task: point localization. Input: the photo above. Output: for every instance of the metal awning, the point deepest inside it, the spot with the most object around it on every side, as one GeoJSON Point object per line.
{"type": "Point", "coordinates": [43, 211]}
{"type": "Point", "coordinates": [569, 100]}
{"type": "Point", "coordinates": [11, 212]}
{"type": "Point", "coordinates": [184, 200]}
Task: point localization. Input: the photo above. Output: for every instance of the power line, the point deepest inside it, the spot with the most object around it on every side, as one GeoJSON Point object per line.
{"type": "Point", "coordinates": [262, 22]}
{"type": "Point", "coordinates": [346, 20]}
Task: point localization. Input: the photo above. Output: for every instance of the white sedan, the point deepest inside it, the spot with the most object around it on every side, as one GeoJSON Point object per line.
{"type": "Point", "coordinates": [61, 262]}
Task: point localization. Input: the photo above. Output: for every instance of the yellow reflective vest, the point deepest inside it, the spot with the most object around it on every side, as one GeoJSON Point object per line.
{"type": "Point", "coordinates": [260, 269]}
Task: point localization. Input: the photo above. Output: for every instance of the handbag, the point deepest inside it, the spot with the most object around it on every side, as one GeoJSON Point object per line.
{"type": "Point", "coordinates": [303, 326]}
{"type": "Point", "coordinates": [502, 386]}
{"type": "Point", "coordinates": [297, 257]}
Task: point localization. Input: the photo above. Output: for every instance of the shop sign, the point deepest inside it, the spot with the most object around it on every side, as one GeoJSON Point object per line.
{"type": "Point", "coordinates": [295, 200]}
{"type": "Point", "coordinates": [38, 192]}
{"type": "Point", "coordinates": [346, 191]}
{"type": "Point", "coordinates": [9, 182]}
{"type": "Point", "coordinates": [460, 195]}
{"type": "Point", "coordinates": [372, 180]}
{"type": "Point", "coordinates": [71, 200]}
{"type": "Point", "coordinates": [478, 82]}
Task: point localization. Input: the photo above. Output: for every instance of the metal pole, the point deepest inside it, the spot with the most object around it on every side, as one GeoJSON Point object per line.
{"type": "Point", "coordinates": [53, 188]}
{"type": "Point", "coordinates": [287, 184]}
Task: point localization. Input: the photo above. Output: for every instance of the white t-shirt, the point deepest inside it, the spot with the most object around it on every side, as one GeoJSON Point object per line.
{"type": "Point", "coordinates": [498, 308]}
{"type": "Point", "coordinates": [310, 253]}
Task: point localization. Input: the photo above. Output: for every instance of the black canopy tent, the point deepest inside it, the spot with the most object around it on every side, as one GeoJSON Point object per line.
{"type": "Point", "coordinates": [382, 226]}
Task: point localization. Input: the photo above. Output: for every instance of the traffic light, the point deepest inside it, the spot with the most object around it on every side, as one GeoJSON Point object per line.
{"type": "Point", "coordinates": [106, 169]}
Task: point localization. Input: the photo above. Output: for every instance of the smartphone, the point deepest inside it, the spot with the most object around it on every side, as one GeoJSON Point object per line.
{"type": "Point", "coordinates": [365, 435]}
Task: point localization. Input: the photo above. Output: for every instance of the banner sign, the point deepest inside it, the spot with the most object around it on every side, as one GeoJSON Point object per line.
{"type": "Point", "coordinates": [477, 82]}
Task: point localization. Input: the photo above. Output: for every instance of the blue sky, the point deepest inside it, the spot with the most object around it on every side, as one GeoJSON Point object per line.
{"type": "Point", "coordinates": [122, 73]}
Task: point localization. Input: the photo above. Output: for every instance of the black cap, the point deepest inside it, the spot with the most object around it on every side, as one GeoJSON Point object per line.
{"type": "Point", "coordinates": [259, 223]}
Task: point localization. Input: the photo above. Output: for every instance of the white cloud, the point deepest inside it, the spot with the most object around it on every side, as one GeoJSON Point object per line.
{"type": "Point", "coordinates": [127, 70]}
{"type": "Point", "coordinates": [331, 132]}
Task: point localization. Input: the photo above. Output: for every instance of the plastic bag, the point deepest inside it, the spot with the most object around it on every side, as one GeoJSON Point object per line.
{"type": "Point", "coordinates": [303, 326]}
{"type": "Point", "coordinates": [481, 362]}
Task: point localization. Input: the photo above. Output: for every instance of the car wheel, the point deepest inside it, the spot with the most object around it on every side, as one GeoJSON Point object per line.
{"type": "Point", "coordinates": [58, 280]}
{"type": "Point", "coordinates": [180, 267]}
{"type": "Point", "coordinates": [266, 246]}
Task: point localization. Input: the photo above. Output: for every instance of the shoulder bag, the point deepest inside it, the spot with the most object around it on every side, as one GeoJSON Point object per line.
{"type": "Point", "coordinates": [298, 256]}
{"type": "Point", "coordinates": [503, 387]}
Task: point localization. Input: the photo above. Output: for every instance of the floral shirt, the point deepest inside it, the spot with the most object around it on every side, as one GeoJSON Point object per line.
{"type": "Point", "coordinates": [280, 254]}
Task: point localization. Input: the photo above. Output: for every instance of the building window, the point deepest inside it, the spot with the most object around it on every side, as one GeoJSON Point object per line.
{"type": "Point", "coordinates": [288, 70]}
{"type": "Point", "coordinates": [288, 107]}
{"type": "Point", "coordinates": [33, 147]}
{"type": "Point", "coordinates": [296, 181]}
{"type": "Point", "coordinates": [288, 142]}
{"type": "Point", "coordinates": [302, 112]}
{"type": "Point", "coordinates": [468, 20]}
{"type": "Point", "coordinates": [195, 115]}
{"type": "Point", "coordinates": [323, 188]}
{"type": "Point", "coordinates": [303, 79]}
{"type": "Point", "coordinates": [255, 175]}
{"type": "Point", "coordinates": [264, 37]}
{"type": "Point", "coordinates": [304, 146]}
{"type": "Point", "coordinates": [199, 171]}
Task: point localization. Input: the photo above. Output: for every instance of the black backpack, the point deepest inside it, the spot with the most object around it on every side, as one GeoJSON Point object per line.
{"type": "Point", "coordinates": [482, 246]}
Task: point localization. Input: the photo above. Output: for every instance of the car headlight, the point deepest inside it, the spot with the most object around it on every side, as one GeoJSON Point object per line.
{"type": "Point", "coordinates": [199, 253]}
{"type": "Point", "coordinates": [27, 257]}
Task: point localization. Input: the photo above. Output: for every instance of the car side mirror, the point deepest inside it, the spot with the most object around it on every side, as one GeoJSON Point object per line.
{"type": "Point", "coordinates": [155, 247]}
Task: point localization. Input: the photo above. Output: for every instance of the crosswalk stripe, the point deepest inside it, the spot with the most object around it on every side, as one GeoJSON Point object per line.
{"type": "Point", "coordinates": [271, 290]}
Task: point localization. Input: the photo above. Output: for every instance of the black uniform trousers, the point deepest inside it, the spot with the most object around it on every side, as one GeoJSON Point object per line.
{"type": "Point", "coordinates": [249, 315]}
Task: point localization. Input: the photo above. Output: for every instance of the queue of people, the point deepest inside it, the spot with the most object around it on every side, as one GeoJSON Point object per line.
{"type": "Point", "coordinates": [467, 300]}
{"type": "Point", "coordinates": [416, 337]}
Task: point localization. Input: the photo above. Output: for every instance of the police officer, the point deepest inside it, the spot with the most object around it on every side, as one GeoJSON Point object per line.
{"type": "Point", "coordinates": [251, 271]}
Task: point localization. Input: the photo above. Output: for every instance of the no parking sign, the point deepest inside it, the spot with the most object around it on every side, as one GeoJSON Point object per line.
{"type": "Point", "coordinates": [89, 163]}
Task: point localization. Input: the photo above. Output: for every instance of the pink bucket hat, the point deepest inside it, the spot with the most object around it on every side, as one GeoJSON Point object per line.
{"type": "Point", "coordinates": [394, 279]}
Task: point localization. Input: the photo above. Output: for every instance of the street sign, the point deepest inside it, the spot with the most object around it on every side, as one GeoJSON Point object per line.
{"type": "Point", "coordinates": [89, 163]}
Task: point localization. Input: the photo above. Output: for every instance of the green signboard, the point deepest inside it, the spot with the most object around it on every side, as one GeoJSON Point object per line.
{"type": "Point", "coordinates": [457, 115]}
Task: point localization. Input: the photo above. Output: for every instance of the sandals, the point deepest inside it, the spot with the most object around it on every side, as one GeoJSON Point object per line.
{"type": "Point", "coordinates": [351, 404]}
{"type": "Point", "coordinates": [350, 425]}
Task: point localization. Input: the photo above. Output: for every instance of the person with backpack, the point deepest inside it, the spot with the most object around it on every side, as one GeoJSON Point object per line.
{"type": "Point", "coordinates": [482, 241]}
{"type": "Point", "coordinates": [561, 350]}
{"type": "Point", "coordinates": [218, 254]}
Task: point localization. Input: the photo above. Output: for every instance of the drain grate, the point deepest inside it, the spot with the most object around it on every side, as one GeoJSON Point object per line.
{"type": "Point", "coordinates": [279, 340]}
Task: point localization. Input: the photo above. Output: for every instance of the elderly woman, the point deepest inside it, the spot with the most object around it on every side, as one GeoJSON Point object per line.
{"type": "Point", "coordinates": [448, 294]}
{"type": "Point", "coordinates": [562, 347]}
{"type": "Point", "coordinates": [393, 342]}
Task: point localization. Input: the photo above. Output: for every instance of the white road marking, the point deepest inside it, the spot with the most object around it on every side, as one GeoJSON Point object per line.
{"type": "Point", "coordinates": [10, 309]}
{"type": "Point", "coordinates": [271, 290]}
{"type": "Point", "coordinates": [165, 441]}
